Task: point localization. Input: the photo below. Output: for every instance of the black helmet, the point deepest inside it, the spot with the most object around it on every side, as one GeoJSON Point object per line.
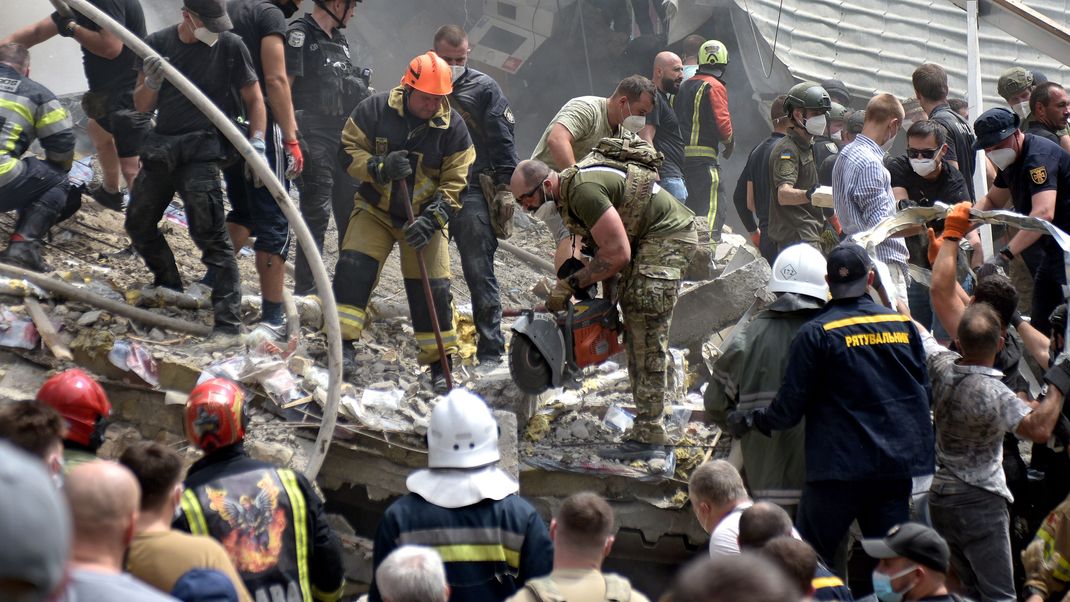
{"type": "Point", "coordinates": [807, 95]}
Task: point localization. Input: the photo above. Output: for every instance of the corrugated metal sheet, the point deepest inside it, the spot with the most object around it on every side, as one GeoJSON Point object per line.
{"type": "Point", "coordinates": [875, 45]}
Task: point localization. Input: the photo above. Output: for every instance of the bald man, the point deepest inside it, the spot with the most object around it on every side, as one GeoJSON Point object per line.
{"type": "Point", "coordinates": [104, 498]}
{"type": "Point", "coordinates": [663, 128]}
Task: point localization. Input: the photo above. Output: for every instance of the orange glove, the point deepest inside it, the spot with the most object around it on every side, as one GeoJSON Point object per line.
{"type": "Point", "coordinates": [756, 238]}
{"type": "Point", "coordinates": [835, 221]}
{"type": "Point", "coordinates": [934, 246]}
{"type": "Point", "coordinates": [957, 222]}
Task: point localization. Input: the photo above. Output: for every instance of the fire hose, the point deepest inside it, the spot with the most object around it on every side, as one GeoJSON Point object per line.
{"type": "Point", "coordinates": [282, 197]}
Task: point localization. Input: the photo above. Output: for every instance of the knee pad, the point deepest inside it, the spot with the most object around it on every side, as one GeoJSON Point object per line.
{"type": "Point", "coordinates": [354, 278]}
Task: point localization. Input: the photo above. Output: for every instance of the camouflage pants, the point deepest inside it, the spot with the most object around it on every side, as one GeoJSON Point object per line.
{"type": "Point", "coordinates": [649, 289]}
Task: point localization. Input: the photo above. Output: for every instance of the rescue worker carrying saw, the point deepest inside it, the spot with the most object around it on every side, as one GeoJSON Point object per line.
{"type": "Point", "coordinates": [325, 87]}
{"type": "Point", "coordinates": [702, 109]}
{"type": "Point", "coordinates": [638, 230]}
{"type": "Point", "coordinates": [269, 519]}
{"type": "Point", "coordinates": [407, 139]}
{"type": "Point", "coordinates": [36, 189]}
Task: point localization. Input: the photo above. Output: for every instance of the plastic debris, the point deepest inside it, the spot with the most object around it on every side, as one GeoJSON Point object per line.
{"type": "Point", "coordinates": [17, 331]}
{"type": "Point", "coordinates": [130, 356]}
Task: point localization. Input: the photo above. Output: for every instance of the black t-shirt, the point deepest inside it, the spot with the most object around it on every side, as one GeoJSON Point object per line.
{"type": "Point", "coordinates": [255, 20]}
{"type": "Point", "coordinates": [667, 138]}
{"type": "Point", "coordinates": [960, 139]}
{"type": "Point", "coordinates": [949, 187]}
{"type": "Point", "coordinates": [220, 71]}
{"type": "Point", "coordinates": [117, 75]}
{"type": "Point", "coordinates": [757, 172]}
{"type": "Point", "coordinates": [1041, 165]}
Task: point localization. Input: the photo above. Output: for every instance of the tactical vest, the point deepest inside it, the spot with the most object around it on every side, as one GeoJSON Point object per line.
{"type": "Point", "coordinates": [618, 589]}
{"type": "Point", "coordinates": [633, 156]}
{"type": "Point", "coordinates": [261, 519]}
{"type": "Point", "coordinates": [331, 84]}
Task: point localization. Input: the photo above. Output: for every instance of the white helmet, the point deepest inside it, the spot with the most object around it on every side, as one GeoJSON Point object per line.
{"type": "Point", "coordinates": [800, 269]}
{"type": "Point", "coordinates": [463, 433]}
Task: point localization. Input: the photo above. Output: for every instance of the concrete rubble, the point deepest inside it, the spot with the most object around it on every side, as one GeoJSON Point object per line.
{"type": "Point", "coordinates": [550, 441]}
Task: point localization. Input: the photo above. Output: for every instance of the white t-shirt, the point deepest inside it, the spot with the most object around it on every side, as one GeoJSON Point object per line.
{"type": "Point", "coordinates": [724, 539]}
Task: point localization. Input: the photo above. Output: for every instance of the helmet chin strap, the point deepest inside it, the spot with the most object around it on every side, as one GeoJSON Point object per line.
{"type": "Point", "coordinates": [341, 25]}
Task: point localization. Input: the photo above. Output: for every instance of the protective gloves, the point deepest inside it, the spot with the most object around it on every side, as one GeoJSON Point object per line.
{"type": "Point", "coordinates": [64, 25]}
{"type": "Point", "coordinates": [393, 166]}
{"type": "Point", "coordinates": [295, 159]}
{"type": "Point", "coordinates": [729, 148]}
{"type": "Point", "coordinates": [739, 423]}
{"type": "Point", "coordinates": [1058, 375]}
{"type": "Point", "coordinates": [260, 147]}
{"type": "Point", "coordinates": [996, 264]}
{"type": "Point", "coordinates": [432, 219]}
{"type": "Point", "coordinates": [756, 238]}
{"type": "Point", "coordinates": [957, 223]}
{"type": "Point", "coordinates": [560, 296]}
{"type": "Point", "coordinates": [153, 70]}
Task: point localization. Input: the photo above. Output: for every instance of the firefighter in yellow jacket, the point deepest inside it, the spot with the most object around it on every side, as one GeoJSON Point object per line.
{"type": "Point", "coordinates": [407, 137]}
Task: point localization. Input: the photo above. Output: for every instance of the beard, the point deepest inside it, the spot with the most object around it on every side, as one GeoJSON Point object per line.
{"type": "Point", "coordinates": [670, 85]}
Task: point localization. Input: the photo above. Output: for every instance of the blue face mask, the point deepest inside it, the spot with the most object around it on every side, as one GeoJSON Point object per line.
{"type": "Point", "coordinates": [882, 586]}
{"type": "Point", "coordinates": [690, 71]}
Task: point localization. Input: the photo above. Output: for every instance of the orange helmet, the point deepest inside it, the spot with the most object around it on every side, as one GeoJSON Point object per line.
{"type": "Point", "coordinates": [214, 414]}
{"type": "Point", "coordinates": [430, 74]}
{"type": "Point", "coordinates": [82, 403]}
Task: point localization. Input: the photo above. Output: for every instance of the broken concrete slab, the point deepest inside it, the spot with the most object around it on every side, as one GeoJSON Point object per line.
{"type": "Point", "coordinates": [21, 379]}
{"type": "Point", "coordinates": [707, 307]}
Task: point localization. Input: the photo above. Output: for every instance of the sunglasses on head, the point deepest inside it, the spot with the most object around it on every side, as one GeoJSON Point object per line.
{"type": "Point", "coordinates": [917, 153]}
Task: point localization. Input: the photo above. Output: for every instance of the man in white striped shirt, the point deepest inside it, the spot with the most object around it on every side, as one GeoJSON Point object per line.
{"type": "Point", "coordinates": [862, 189]}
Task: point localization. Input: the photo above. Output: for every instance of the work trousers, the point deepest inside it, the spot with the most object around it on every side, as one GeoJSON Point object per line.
{"type": "Point", "coordinates": [828, 508]}
{"type": "Point", "coordinates": [704, 191]}
{"type": "Point", "coordinates": [475, 239]}
{"type": "Point", "coordinates": [649, 288]}
{"type": "Point", "coordinates": [370, 238]}
{"type": "Point", "coordinates": [40, 183]}
{"type": "Point", "coordinates": [1047, 291]}
{"type": "Point", "coordinates": [976, 525]}
{"type": "Point", "coordinates": [325, 188]}
{"type": "Point", "coordinates": [199, 186]}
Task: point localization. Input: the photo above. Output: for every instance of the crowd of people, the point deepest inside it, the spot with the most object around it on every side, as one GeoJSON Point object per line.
{"type": "Point", "coordinates": [865, 394]}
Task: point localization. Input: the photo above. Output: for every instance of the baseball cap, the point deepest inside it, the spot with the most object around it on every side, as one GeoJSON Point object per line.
{"type": "Point", "coordinates": [993, 127]}
{"type": "Point", "coordinates": [212, 12]}
{"type": "Point", "coordinates": [204, 585]}
{"type": "Point", "coordinates": [1013, 81]}
{"type": "Point", "coordinates": [848, 267]}
{"type": "Point", "coordinates": [34, 526]}
{"type": "Point", "coordinates": [837, 90]}
{"type": "Point", "coordinates": [912, 541]}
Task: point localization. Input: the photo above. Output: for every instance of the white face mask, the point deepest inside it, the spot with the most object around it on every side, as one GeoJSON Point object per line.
{"type": "Point", "coordinates": [815, 126]}
{"type": "Point", "coordinates": [456, 71]}
{"type": "Point", "coordinates": [837, 136]}
{"type": "Point", "coordinates": [208, 37]}
{"type": "Point", "coordinates": [1002, 158]}
{"type": "Point", "coordinates": [923, 167]}
{"type": "Point", "coordinates": [1022, 109]}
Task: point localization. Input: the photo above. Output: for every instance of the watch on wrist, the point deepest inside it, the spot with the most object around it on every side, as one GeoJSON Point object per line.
{"type": "Point", "coordinates": [1029, 591]}
{"type": "Point", "coordinates": [1007, 253]}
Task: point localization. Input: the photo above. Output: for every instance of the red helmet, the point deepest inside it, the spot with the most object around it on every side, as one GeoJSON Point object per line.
{"type": "Point", "coordinates": [214, 414]}
{"type": "Point", "coordinates": [82, 403]}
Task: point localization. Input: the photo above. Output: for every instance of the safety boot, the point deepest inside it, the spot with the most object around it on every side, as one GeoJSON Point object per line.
{"type": "Point", "coordinates": [349, 361]}
{"type": "Point", "coordinates": [108, 200]}
{"type": "Point", "coordinates": [25, 254]}
{"type": "Point", "coordinates": [438, 379]}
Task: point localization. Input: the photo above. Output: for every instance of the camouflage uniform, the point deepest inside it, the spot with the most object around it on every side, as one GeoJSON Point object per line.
{"type": "Point", "coordinates": [663, 237]}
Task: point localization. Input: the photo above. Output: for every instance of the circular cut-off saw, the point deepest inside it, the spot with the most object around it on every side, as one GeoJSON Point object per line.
{"type": "Point", "coordinates": [551, 350]}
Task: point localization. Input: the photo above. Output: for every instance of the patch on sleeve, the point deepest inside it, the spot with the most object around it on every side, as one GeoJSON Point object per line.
{"type": "Point", "coordinates": [296, 38]}
{"type": "Point", "coordinates": [1039, 175]}
{"type": "Point", "coordinates": [9, 85]}
{"type": "Point", "coordinates": [508, 114]}
{"type": "Point", "coordinates": [786, 155]}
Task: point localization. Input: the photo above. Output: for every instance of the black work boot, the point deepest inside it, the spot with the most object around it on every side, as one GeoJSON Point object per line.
{"type": "Point", "coordinates": [109, 200]}
{"type": "Point", "coordinates": [349, 361]}
{"type": "Point", "coordinates": [438, 379]}
{"type": "Point", "coordinates": [25, 254]}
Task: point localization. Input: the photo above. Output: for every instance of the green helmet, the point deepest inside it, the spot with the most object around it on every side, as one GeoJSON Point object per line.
{"type": "Point", "coordinates": [807, 95]}
{"type": "Point", "coordinates": [712, 52]}
{"type": "Point", "coordinates": [1014, 80]}
{"type": "Point", "coordinates": [837, 112]}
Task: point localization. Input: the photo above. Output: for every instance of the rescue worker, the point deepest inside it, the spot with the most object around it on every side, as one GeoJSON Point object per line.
{"type": "Point", "coordinates": [641, 232]}
{"type": "Point", "coordinates": [325, 86]}
{"type": "Point", "coordinates": [115, 128]}
{"type": "Point", "coordinates": [1049, 111]}
{"type": "Point", "coordinates": [827, 144]}
{"type": "Point", "coordinates": [269, 519]}
{"type": "Point", "coordinates": [486, 203]}
{"type": "Point", "coordinates": [404, 145]}
{"type": "Point", "coordinates": [254, 211]}
{"type": "Point", "coordinates": [36, 189]}
{"type": "Point", "coordinates": [752, 196]}
{"type": "Point", "coordinates": [467, 509]}
{"type": "Point", "coordinates": [702, 110]}
{"type": "Point", "coordinates": [856, 467]}
{"type": "Point", "coordinates": [81, 401]}
{"type": "Point", "coordinates": [184, 152]}
{"type": "Point", "coordinates": [748, 373]}
{"type": "Point", "coordinates": [1034, 176]}
{"type": "Point", "coordinates": [691, 45]}
{"type": "Point", "coordinates": [793, 171]}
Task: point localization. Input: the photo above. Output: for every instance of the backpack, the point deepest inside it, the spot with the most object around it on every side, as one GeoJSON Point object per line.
{"type": "Point", "coordinates": [618, 589]}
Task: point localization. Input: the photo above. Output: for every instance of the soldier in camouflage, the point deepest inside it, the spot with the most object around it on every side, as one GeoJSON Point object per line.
{"type": "Point", "coordinates": [637, 230]}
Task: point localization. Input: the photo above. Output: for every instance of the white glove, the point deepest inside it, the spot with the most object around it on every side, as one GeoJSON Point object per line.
{"type": "Point", "coordinates": [153, 70]}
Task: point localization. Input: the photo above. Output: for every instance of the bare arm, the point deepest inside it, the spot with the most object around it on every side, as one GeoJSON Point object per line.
{"type": "Point", "coordinates": [101, 43]}
{"type": "Point", "coordinates": [1064, 141]}
{"type": "Point", "coordinates": [613, 253]}
{"type": "Point", "coordinates": [144, 97]}
{"type": "Point", "coordinates": [1044, 208]}
{"type": "Point", "coordinates": [254, 107]}
{"type": "Point", "coordinates": [1038, 425]}
{"type": "Point", "coordinates": [997, 198]}
{"type": "Point", "coordinates": [277, 84]}
{"type": "Point", "coordinates": [786, 195]}
{"type": "Point", "coordinates": [647, 133]}
{"type": "Point", "coordinates": [559, 141]}
{"type": "Point", "coordinates": [944, 289]}
{"type": "Point", "coordinates": [1035, 343]}
{"type": "Point", "coordinates": [750, 197]}
{"type": "Point", "coordinates": [32, 34]}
